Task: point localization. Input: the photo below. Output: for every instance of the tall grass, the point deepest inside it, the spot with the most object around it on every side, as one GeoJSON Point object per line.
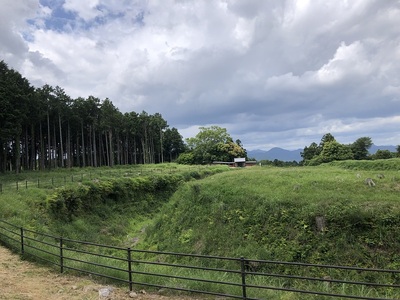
{"type": "Point", "coordinates": [271, 213]}
{"type": "Point", "coordinates": [324, 214]}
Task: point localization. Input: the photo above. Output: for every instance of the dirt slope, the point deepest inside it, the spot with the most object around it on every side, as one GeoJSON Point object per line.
{"type": "Point", "coordinates": [24, 280]}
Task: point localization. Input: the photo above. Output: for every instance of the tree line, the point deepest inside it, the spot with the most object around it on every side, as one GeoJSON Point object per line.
{"type": "Point", "coordinates": [44, 128]}
{"type": "Point", "coordinates": [329, 150]}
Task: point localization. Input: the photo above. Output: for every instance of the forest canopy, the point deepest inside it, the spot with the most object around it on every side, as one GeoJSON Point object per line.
{"type": "Point", "coordinates": [44, 128]}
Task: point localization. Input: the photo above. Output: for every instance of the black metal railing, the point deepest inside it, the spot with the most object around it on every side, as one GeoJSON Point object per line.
{"type": "Point", "coordinates": [238, 278]}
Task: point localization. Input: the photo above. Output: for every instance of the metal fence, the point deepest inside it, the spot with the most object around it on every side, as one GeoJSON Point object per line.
{"type": "Point", "coordinates": [238, 278]}
{"type": "Point", "coordinates": [49, 182]}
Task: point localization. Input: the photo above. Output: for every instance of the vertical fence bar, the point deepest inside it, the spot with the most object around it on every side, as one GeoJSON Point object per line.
{"type": "Point", "coordinates": [61, 256]}
{"type": "Point", "coordinates": [17, 185]}
{"type": "Point", "coordinates": [26, 184]}
{"type": "Point", "coordinates": [38, 182]}
{"type": "Point", "coordinates": [22, 241]}
{"type": "Point", "coordinates": [243, 273]}
{"type": "Point", "coordinates": [1, 188]}
{"type": "Point", "coordinates": [130, 269]}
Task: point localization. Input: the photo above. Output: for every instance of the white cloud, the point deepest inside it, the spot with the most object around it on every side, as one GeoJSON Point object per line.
{"type": "Point", "coordinates": [348, 61]}
{"type": "Point", "coordinates": [274, 73]}
{"type": "Point", "coordinates": [86, 10]}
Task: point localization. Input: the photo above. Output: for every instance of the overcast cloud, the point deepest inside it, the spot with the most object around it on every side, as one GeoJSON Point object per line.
{"type": "Point", "coordinates": [274, 73]}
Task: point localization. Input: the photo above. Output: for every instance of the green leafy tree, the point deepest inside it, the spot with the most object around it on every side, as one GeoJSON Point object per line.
{"type": "Point", "coordinates": [360, 148]}
{"type": "Point", "coordinates": [382, 154]}
{"type": "Point", "coordinates": [333, 150]}
{"type": "Point", "coordinates": [228, 151]}
{"type": "Point", "coordinates": [186, 158]}
{"type": "Point", "coordinates": [310, 152]}
{"type": "Point", "coordinates": [326, 138]}
{"type": "Point", "coordinates": [214, 144]}
{"type": "Point", "coordinates": [398, 151]}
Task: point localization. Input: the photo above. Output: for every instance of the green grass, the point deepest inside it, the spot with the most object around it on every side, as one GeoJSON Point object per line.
{"type": "Point", "coordinates": [261, 213]}
{"type": "Point", "coordinates": [93, 204]}
{"type": "Point", "coordinates": [270, 213]}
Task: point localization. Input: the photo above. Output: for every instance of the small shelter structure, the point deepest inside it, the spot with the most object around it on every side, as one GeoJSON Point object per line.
{"type": "Point", "coordinates": [239, 162]}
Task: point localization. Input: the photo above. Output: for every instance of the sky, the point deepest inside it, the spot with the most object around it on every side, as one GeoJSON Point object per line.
{"type": "Point", "coordinates": [274, 73]}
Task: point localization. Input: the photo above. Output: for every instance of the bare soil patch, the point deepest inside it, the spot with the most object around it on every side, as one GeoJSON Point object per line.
{"type": "Point", "coordinates": [24, 280]}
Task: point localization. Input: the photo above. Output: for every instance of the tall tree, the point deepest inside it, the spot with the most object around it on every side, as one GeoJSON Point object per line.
{"type": "Point", "coordinates": [333, 150]}
{"type": "Point", "coordinates": [360, 148]}
{"type": "Point", "coordinates": [326, 138]}
{"type": "Point", "coordinates": [173, 144]}
{"type": "Point", "coordinates": [15, 92]}
{"type": "Point", "coordinates": [108, 122]}
{"type": "Point", "coordinates": [211, 144]}
{"type": "Point", "coordinates": [310, 152]}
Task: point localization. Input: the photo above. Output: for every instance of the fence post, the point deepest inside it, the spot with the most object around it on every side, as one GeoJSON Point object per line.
{"type": "Point", "coordinates": [61, 256]}
{"type": "Point", "coordinates": [26, 184]}
{"type": "Point", "coordinates": [22, 241]}
{"type": "Point", "coordinates": [17, 185]}
{"type": "Point", "coordinates": [1, 188]}
{"type": "Point", "coordinates": [243, 273]}
{"type": "Point", "coordinates": [38, 182]}
{"type": "Point", "coordinates": [130, 269]}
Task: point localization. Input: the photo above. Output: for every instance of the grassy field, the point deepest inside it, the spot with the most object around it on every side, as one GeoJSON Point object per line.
{"type": "Point", "coordinates": [272, 213]}
{"type": "Point", "coordinates": [325, 214]}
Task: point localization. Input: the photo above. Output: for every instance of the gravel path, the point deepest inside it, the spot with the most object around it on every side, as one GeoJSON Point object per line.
{"type": "Point", "coordinates": [23, 280]}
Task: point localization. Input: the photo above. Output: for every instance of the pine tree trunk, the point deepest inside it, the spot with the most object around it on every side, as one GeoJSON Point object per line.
{"type": "Point", "coordinates": [94, 149]}
{"type": "Point", "coordinates": [110, 138]}
{"type": "Point", "coordinates": [17, 153]}
{"type": "Point", "coordinates": [69, 156]}
{"type": "Point", "coordinates": [33, 163]}
{"type": "Point", "coordinates": [3, 156]}
{"type": "Point", "coordinates": [78, 151]}
{"type": "Point", "coordinates": [49, 154]}
{"type": "Point", "coordinates": [83, 147]}
{"type": "Point", "coordinates": [55, 152]}
{"type": "Point", "coordinates": [61, 142]}
{"type": "Point", "coordinates": [42, 151]}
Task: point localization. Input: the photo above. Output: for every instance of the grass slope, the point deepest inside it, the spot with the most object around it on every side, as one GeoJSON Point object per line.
{"type": "Point", "coordinates": [272, 213]}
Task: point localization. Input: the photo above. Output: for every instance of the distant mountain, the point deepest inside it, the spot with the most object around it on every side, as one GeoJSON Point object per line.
{"type": "Point", "coordinates": [276, 153]}
{"type": "Point", "coordinates": [375, 148]}
{"type": "Point", "coordinates": [291, 155]}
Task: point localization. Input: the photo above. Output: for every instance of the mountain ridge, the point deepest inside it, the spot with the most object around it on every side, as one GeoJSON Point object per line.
{"type": "Point", "coordinates": [294, 155]}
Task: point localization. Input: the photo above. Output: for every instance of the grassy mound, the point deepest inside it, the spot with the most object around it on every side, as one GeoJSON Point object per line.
{"type": "Point", "coordinates": [316, 214]}
{"type": "Point", "coordinates": [372, 165]}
